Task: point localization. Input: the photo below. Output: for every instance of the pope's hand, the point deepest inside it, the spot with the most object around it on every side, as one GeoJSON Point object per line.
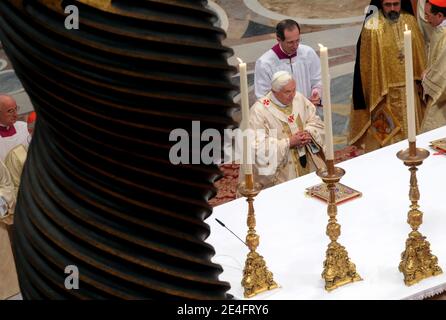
{"type": "Point", "coordinates": [300, 139]}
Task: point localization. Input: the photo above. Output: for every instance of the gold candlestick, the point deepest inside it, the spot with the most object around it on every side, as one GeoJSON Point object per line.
{"type": "Point", "coordinates": [338, 269]}
{"type": "Point", "coordinates": [417, 261]}
{"type": "Point", "coordinates": [256, 276]}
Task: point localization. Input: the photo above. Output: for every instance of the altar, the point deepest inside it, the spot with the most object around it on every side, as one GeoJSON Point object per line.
{"type": "Point", "coordinates": [374, 229]}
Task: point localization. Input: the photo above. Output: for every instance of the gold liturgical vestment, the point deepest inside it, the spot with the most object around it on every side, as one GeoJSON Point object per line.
{"type": "Point", "coordinates": [8, 277]}
{"type": "Point", "coordinates": [383, 121]}
{"type": "Point", "coordinates": [10, 172]}
{"type": "Point", "coordinates": [434, 82]}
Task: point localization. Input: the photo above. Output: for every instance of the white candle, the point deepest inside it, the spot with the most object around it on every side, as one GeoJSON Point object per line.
{"type": "Point", "coordinates": [410, 96]}
{"type": "Point", "coordinates": [329, 154]}
{"type": "Point", "coordinates": [246, 162]}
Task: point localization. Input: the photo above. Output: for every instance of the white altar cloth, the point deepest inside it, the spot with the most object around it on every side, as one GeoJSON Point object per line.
{"type": "Point", "coordinates": [374, 229]}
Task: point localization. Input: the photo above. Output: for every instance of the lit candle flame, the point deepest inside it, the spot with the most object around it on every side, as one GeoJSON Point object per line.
{"type": "Point", "coordinates": [239, 60]}
{"type": "Point", "coordinates": [407, 29]}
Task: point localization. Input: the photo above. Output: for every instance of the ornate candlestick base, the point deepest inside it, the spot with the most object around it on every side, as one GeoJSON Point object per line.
{"type": "Point", "coordinates": [338, 269]}
{"type": "Point", "coordinates": [417, 261]}
{"type": "Point", "coordinates": [256, 276]}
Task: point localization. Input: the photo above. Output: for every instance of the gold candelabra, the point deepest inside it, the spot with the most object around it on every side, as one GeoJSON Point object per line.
{"type": "Point", "coordinates": [338, 269]}
{"type": "Point", "coordinates": [256, 276]}
{"type": "Point", "coordinates": [417, 261]}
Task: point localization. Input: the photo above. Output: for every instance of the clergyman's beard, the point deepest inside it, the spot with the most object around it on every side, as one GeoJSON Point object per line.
{"type": "Point", "coordinates": [392, 16]}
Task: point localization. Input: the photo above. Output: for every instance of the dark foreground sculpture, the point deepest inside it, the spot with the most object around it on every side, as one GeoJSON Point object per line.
{"type": "Point", "coordinates": [98, 190]}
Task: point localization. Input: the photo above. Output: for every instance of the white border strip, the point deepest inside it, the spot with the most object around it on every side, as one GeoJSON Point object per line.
{"type": "Point", "coordinates": [429, 293]}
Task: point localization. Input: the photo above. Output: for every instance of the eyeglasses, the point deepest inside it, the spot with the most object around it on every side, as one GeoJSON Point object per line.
{"type": "Point", "coordinates": [14, 110]}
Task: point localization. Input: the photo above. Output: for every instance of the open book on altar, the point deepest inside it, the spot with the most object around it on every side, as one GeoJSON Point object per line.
{"type": "Point", "coordinates": [343, 193]}
{"type": "Point", "coordinates": [439, 145]}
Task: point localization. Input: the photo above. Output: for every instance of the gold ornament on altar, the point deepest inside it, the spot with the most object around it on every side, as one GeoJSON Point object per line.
{"type": "Point", "coordinates": [338, 269]}
{"type": "Point", "coordinates": [256, 276]}
{"type": "Point", "coordinates": [417, 261]}
{"type": "Point", "coordinates": [343, 193]}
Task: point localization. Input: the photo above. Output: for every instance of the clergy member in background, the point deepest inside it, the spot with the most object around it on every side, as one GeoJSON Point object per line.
{"type": "Point", "coordinates": [12, 132]}
{"type": "Point", "coordinates": [290, 55]}
{"type": "Point", "coordinates": [289, 134]}
{"type": "Point", "coordinates": [434, 82]}
{"type": "Point", "coordinates": [426, 28]}
{"type": "Point", "coordinates": [14, 141]}
{"type": "Point", "coordinates": [379, 116]}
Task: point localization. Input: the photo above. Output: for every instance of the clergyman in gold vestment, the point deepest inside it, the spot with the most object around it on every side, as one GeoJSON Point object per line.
{"type": "Point", "coordinates": [8, 277]}
{"type": "Point", "coordinates": [378, 117]}
{"type": "Point", "coordinates": [434, 82]}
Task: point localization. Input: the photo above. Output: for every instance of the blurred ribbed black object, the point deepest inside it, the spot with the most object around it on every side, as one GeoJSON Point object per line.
{"type": "Point", "coordinates": [98, 190]}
